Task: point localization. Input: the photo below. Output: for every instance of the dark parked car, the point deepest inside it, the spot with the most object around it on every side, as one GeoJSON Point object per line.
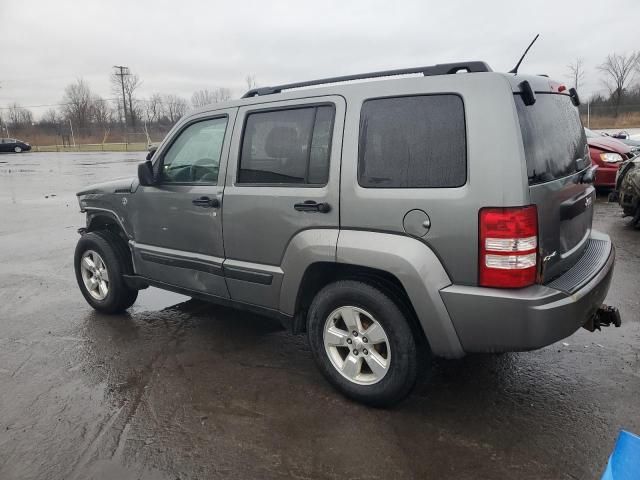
{"type": "Point", "coordinates": [607, 153]}
{"type": "Point", "coordinates": [13, 145]}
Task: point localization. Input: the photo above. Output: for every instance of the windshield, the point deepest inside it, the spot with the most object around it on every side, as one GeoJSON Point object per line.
{"type": "Point", "coordinates": [554, 140]}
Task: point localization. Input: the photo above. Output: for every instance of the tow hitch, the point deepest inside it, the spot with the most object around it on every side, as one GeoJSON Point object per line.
{"type": "Point", "coordinates": [604, 317]}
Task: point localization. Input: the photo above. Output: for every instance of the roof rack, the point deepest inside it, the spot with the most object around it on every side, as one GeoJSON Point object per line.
{"type": "Point", "coordinates": [440, 69]}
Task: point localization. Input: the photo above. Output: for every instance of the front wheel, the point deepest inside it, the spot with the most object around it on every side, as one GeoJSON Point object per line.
{"type": "Point", "coordinates": [101, 259]}
{"type": "Point", "coordinates": [363, 343]}
{"type": "Point", "coordinates": [17, 149]}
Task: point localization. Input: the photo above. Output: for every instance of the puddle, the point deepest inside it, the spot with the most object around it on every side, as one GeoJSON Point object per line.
{"type": "Point", "coordinates": [156, 299]}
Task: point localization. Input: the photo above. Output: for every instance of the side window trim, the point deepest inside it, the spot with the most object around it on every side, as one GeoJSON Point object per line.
{"type": "Point", "coordinates": [175, 136]}
{"type": "Point", "coordinates": [258, 109]}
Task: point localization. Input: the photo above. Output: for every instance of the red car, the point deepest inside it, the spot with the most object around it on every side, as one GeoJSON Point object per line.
{"type": "Point", "coordinates": [607, 153]}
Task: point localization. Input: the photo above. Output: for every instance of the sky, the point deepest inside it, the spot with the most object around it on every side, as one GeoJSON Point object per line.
{"type": "Point", "coordinates": [179, 47]}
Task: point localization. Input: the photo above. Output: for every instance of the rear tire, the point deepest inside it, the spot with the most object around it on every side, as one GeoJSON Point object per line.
{"type": "Point", "coordinates": [101, 259]}
{"type": "Point", "coordinates": [378, 371]}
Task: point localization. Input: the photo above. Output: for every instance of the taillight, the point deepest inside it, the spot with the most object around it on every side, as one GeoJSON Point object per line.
{"type": "Point", "coordinates": [508, 247]}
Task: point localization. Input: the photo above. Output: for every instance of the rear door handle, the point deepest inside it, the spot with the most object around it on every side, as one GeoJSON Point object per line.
{"type": "Point", "coordinates": [312, 206]}
{"type": "Point", "coordinates": [206, 202]}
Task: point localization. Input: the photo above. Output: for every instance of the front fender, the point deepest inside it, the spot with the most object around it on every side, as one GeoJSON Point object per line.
{"type": "Point", "coordinates": [111, 206]}
{"type": "Point", "coordinates": [419, 271]}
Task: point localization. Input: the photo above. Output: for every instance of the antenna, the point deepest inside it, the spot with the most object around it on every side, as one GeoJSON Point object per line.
{"type": "Point", "coordinates": [515, 69]}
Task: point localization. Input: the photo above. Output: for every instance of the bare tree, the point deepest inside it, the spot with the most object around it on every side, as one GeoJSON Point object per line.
{"type": "Point", "coordinates": [131, 83]}
{"type": "Point", "coordinates": [102, 111]}
{"type": "Point", "coordinates": [153, 108]}
{"type": "Point", "coordinates": [618, 71]}
{"type": "Point", "coordinates": [202, 98]}
{"type": "Point", "coordinates": [576, 72]}
{"type": "Point", "coordinates": [221, 94]}
{"type": "Point", "coordinates": [207, 97]}
{"type": "Point", "coordinates": [18, 116]}
{"type": "Point", "coordinates": [78, 105]}
{"type": "Point", "coordinates": [174, 107]}
{"type": "Point", "coordinates": [3, 125]}
{"type": "Point", "coordinates": [51, 117]}
{"type": "Point", "coordinates": [251, 81]}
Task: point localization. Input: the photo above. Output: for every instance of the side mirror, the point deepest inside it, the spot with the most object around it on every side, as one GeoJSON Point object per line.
{"type": "Point", "coordinates": [152, 151]}
{"type": "Point", "coordinates": [145, 173]}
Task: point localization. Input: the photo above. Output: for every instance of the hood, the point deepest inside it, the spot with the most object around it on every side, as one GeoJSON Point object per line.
{"type": "Point", "coordinates": [631, 142]}
{"type": "Point", "coordinates": [121, 185]}
{"type": "Point", "coordinates": [609, 144]}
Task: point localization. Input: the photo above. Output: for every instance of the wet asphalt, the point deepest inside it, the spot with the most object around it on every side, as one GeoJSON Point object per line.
{"type": "Point", "coordinates": [178, 388]}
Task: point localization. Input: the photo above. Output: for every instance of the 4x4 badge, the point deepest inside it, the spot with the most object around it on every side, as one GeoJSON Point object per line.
{"type": "Point", "coordinates": [587, 202]}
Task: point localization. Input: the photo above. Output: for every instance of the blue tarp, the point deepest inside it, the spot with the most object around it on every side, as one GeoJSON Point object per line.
{"type": "Point", "coordinates": [624, 462]}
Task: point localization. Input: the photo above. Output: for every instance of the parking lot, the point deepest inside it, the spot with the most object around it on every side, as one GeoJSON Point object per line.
{"type": "Point", "coordinates": [181, 389]}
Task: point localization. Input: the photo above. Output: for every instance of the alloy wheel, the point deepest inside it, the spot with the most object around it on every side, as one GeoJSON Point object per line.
{"type": "Point", "coordinates": [357, 345]}
{"type": "Point", "coordinates": [94, 274]}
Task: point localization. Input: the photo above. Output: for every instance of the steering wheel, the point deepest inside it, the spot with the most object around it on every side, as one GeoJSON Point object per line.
{"type": "Point", "coordinates": [202, 168]}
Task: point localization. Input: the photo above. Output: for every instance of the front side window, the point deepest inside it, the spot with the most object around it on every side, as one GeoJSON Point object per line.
{"type": "Point", "coordinates": [194, 157]}
{"type": "Point", "coordinates": [412, 142]}
{"type": "Point", "coordinates": [287, 146]}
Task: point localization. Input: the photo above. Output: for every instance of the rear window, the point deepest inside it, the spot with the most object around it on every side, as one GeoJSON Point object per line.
{"type": "Point", "coordinates": [412, 142]}
{"type": "Point", "coordinates": [553, 137]}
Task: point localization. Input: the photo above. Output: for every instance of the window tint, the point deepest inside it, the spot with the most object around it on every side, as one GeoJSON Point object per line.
{"type": "Point", "coordinates": [552, 136]}
{"type": "Point", "coordinates": [412, 142]}
{"type": "Point", "coordinates": [195, 155]}
{"type": "Point", "coordinates": [287, 146]}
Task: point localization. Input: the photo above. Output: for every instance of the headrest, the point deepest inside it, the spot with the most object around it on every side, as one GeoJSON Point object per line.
{"type": "Point", "coordinates": [282, 142]}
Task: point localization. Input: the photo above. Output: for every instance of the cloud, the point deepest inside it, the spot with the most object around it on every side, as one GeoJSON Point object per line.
{"type": "Point", "coordinates": [180, 47]}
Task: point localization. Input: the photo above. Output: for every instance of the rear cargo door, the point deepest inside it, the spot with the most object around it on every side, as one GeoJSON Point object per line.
{"type": "Point", "coordinates": [557, 154]}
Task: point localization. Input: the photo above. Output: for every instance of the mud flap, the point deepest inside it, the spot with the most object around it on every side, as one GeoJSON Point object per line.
{"type": "Point", "coordinates": [604, 317]}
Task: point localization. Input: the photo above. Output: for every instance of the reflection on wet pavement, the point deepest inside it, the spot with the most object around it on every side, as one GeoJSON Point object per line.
{"type": "Point", "coordinates": [178, 388]}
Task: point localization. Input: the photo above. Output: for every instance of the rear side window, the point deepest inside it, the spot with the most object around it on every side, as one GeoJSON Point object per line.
{"type": "Point", "coordinates": [552, 136]}
{"type": "Point", "coordinates": [412, 142]}
{"type": "Point", "coordinates": [287, 146]}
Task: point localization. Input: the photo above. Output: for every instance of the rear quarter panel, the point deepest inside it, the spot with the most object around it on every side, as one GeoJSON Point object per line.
{"type": "Point", "coordinates": [496, 173]}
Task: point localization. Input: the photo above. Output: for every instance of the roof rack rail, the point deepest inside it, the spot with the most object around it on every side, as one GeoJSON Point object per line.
{"type": "Point", "coordinates": [440, 69]}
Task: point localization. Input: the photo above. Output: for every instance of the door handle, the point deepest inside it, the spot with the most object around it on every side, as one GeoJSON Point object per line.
{"type": "Point", "coordinates": [206, 202]}
{"type": "Point", "coordinates": [312, 206]}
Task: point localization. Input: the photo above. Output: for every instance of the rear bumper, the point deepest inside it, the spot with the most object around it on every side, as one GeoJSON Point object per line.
{"type": "Point", "coordinates": [494, 320]}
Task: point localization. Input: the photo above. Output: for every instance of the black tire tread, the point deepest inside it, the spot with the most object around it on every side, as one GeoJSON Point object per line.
{"type": "Point", "coordinates": [403, 373]}
{"type": "Point", "coordinates": [118, 258]}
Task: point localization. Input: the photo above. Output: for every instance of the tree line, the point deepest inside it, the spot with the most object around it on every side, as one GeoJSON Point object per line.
{"type": "Point", "coordinates": [619, 76]}
{"type": "Point", "coordinates": [89, 114]}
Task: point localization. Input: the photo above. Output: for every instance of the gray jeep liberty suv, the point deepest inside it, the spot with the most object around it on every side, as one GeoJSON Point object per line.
{"type": "Point", "coordinates": [434, 214]}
